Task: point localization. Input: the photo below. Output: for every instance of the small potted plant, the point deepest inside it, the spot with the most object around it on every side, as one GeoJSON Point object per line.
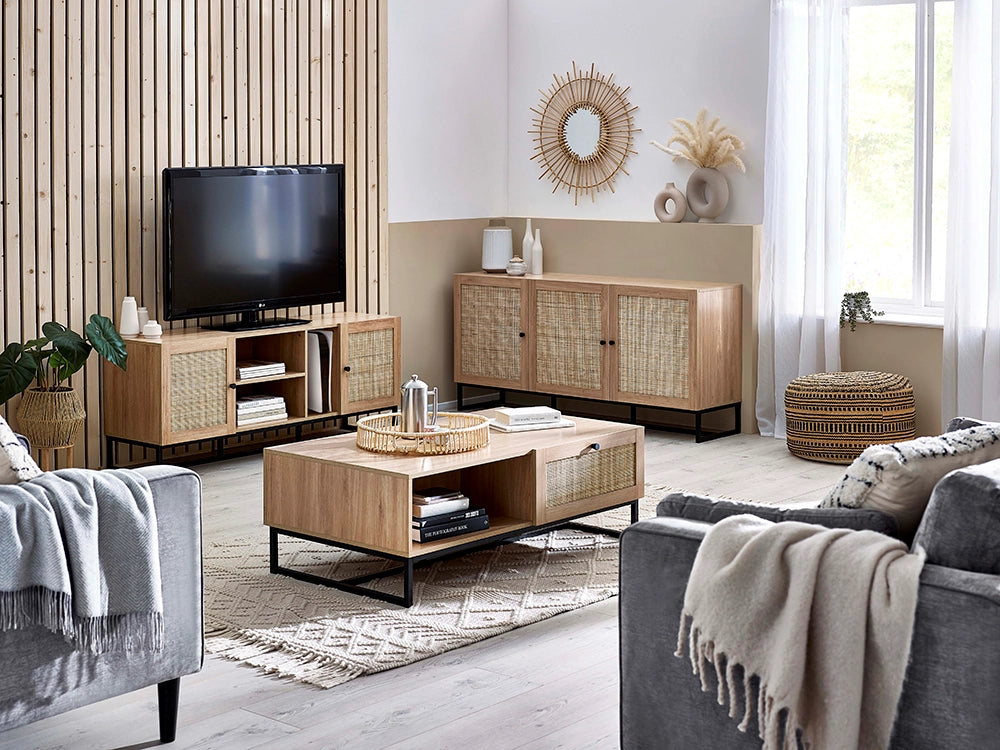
{"type": "Point", "coordinates": [857, 307]}
{"type": "Point", "coordinates": [50, 413]}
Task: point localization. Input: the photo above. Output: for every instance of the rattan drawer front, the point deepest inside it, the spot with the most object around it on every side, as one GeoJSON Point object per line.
{"type": "Point", "coordinates": [491, 324]}
{"type": "Point", "coordinates": [568, 332]}
{"type": "Point", "coordinates": [653, 346]}
{"type": "Point", "coordinates": [371, 358]}
{"type": "Point", "coordinates": [198, 390]}
{"type": "Point", "coordinates": [594, 473]}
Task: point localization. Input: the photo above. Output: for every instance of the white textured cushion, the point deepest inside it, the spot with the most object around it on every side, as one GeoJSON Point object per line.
{"type": "Point", "coordinates": [16, 464]}
{"type": "Point", "coordinates": [898, 478]}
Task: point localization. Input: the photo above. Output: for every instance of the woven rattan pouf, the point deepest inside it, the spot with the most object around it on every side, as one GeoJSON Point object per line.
{"type": "Point", "coordinates": [833, 416]}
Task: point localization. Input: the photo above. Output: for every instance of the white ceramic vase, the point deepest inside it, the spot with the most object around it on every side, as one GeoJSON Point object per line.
{"type": "Point", "coordinates": [707, 193]}
{"type": "Point", "coordinates": [526, 242]}
{"type": "Point", "coordinates": [498, 246]}
{"type": "Point", "coordinates": [128, 321]}
{"type": "Point", "coordinates": [536, 254]}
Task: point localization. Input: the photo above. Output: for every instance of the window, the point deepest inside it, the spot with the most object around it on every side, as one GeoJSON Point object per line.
{"type": "Point", "coordinates": [898, 126]}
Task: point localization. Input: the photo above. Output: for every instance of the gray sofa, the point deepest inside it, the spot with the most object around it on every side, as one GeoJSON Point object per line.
{"type": "Point", "coordinates": [41, 675]}
{"type": "Point", "coordinates": [951, 696]}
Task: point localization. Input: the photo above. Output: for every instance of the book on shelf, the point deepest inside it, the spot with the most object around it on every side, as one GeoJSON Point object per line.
{"type": "Point", "coordinates": [255, 418]}
{"type": "Point", "coordinates": [494, 425]}
{"type": "Point", "coordinates": [437, 509]}
{"type": "Point", "coordinates": [433, 495]}
{"type": "Point", "coordinates": [458, 515]}
{"type": "Point", "coordinates": [433, 533]}
{"type": "Point", "coordinates": [527, 415]}
{"type": "Point", "coordinates": [258, 401]}
{"type": "Point", "coordinates": [258, 368]}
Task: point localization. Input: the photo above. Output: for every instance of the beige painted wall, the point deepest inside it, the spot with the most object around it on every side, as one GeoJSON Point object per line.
{"type": "Point", "coordinates": [908, 350]}
{"type": "Point", "coordinates": [424, 255]}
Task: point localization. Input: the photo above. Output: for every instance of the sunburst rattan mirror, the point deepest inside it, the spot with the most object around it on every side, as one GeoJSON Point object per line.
{"type": "Point", "coordinates": [583, 132]}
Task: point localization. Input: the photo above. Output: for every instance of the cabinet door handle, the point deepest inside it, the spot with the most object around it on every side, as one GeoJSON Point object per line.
{"type": "Point", "coordinates": [612, 342]}
{"type": "Point", "coordinates": [603, 342]}
{"type": "Point", "coordinates": [591, 447]}
{"type": "Point", "coordinates": [521, 334]}
{"type": "Point", "coordinates": [347, 368]}
{"type": "Point", "coordinates": [233, 386]}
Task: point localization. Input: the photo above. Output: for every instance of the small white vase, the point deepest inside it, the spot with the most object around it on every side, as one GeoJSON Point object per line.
{"type": "Point", "coordinates": [670, 193]}
{"type": "Point", "coordinates": [707, 193]}
{"type": "Point", "coordinates": [536, 254]}
{"type": "Point", "coordinates": [526, 242]}
{"type": "Point", "coordinates": [498, 246]}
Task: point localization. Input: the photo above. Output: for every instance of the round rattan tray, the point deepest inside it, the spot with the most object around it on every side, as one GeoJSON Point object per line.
{"type": "Point", "coordinates": [455, 433]}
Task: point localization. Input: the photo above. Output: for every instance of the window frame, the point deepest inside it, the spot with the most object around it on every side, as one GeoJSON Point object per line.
{"type": "Point", "coordinates": [921, 303]}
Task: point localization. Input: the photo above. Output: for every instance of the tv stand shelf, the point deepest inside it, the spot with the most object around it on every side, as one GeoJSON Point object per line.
{"type": "Point", "coordinates": [182, 387]}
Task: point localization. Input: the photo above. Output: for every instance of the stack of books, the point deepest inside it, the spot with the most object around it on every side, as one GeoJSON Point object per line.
{"type": "Point", "coordinates": [439, 512]}
{"type": "Point", "coordinates": [259, 408]}
{"type": "Point", "coordinates": [258, 368]}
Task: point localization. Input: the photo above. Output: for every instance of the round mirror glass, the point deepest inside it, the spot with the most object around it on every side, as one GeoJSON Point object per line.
{"type": "Point", "coordinates": [582, 132]}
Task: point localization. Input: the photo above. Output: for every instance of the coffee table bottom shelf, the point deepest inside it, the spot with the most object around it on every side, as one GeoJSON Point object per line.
{"type": "Point", "coordinates": [502, 530]}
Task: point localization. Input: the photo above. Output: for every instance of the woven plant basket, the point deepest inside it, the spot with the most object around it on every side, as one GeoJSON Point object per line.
{"type": "Point", "coordinates": [51, 419]}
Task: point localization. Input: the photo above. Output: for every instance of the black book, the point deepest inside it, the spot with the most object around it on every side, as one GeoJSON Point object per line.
{"type": "Point", "coordinates": [457, 515]}
{"type": "Point", "coordinates": [454, 528]}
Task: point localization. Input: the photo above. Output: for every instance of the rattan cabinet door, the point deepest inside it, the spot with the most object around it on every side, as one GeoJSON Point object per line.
{"type": "Point", "coordinates": [569, 342]}
{"type": "Point", "coordinates": [491, 331]}
{"type": "Point", "coordinates": [652, 359]}
{"type": "Point", "coordinates": [369, 366]}
{"type": "Point", "coordinates": [199, 402]}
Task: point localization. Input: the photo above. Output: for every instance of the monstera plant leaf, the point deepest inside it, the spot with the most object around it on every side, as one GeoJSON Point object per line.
{"type": "Point", "coordinates": [102, 334]}
{"type": "Point", "coordinates": [17, 370]}
{"type": "Point", "coordinates": [71, 351]}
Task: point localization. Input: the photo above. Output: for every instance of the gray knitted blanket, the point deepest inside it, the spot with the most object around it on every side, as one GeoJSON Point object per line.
{"type": "Point", "coordinates": [79, 555]}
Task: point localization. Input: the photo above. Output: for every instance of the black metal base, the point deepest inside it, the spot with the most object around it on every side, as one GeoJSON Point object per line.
{"type": "Point", "coordinates": [700, 433]}
{"type": "Point", "coordinates": [218, 443]}
{"type": "Point", "coordinates": [353, 584]}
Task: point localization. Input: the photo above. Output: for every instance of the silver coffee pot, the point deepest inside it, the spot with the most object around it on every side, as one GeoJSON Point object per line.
{"type": "Point", "coordinates": [413, 405]}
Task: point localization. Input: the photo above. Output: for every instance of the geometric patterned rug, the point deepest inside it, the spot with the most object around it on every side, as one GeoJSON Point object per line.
{"type": "Point", "coordinates": [326, 637]}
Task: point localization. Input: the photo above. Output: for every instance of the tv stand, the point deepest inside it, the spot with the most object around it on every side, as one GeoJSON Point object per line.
{"type": "Point", "coordinates": [252, 321]}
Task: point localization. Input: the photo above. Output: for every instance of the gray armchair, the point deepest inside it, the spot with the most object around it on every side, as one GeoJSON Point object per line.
{"type": "Point", "coordinates": [951, 696]}
{"type": "Point", "coordinates": [41, 674]}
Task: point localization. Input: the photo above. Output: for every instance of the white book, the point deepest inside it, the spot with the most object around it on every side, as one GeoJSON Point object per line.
{"type": "Point", "coordinates": [251, 403]}
{"type": "Point", "coordinates": [527, 415]}
{"type": "Point", "coordinates": [448, 506]}
{"type": "Point", "coordinates": [529, 427]}
{"type": "Point", "coordinates": [243, 421]}
{"type": "Point", "coordinates": [246, 411]}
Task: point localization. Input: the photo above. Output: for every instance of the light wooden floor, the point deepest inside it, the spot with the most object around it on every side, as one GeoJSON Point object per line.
{"type": "Point", "coordinates": [550, 685]}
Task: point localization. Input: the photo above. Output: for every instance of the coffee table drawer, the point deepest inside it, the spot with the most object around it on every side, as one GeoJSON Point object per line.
{"type": "Point", "coordinates": [590, 475]}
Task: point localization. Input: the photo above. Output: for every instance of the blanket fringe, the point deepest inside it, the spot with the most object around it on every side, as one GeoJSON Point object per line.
{"type": "Point", "coordinates": [771, 718]}
{"type": "Point", "coordinates": [36, 605]}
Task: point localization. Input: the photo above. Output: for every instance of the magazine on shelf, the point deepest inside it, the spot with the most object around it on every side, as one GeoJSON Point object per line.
{"type": "Point", "coordinates": [529, 427]}
{"type": "Point", "coordinates": [437, 509]}
{"type": "Point", "coordinates": [433, 495]}
{"type": "Point", "coordinates": [258, 368]}
{"type": "Point", "coordinates": [246, 404]}
{"type": "Point", "coordinates": [433, 533]}
{"type": "Point", "coordinates": [527, 415]}
{"type": "Point", "coordinates": [458, 515]}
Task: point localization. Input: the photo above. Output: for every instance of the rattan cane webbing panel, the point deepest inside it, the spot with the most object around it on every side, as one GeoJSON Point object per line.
{"type": "Point", "coordinates": [594, 473]}
{"type": "Point", "coordinates": [833, 416]}
{"type": "Point", "coordinates": [567, 337]}
{"type": "Point", "coordinates": [653, 346]}
{"type": "Point", "coordinates": [371, 357]}
{"type": "Point", "coordinates": [198, 390]}
{"type": "Point", "coordinates": [491, 322]}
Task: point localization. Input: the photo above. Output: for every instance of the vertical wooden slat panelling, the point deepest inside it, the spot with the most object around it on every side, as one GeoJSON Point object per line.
{"type": "Point", "coordinates": [99, 97]}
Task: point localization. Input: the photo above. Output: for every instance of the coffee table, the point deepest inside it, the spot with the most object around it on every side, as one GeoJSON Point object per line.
{"type": "Point", "coordinates": [330, 491]}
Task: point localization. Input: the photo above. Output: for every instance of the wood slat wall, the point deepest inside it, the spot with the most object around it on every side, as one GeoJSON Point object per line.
{"type": "Point", "coordinates": [100, 96]}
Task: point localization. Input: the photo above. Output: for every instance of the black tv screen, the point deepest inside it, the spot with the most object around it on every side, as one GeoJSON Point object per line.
{"type": "Point", "coordinates": [247, 239]}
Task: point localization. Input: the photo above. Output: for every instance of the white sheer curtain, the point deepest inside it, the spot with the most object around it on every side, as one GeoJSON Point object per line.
{"type": "Point", "coordinates": [971, 377]}
{"type": "Point", "coordinates": [804, 190]}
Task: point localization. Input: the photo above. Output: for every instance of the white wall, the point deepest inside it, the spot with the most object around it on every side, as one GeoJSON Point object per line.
{"type": "Point", "coordinates": [459, 148]}
{"type": "Point", "coordinates": [677, 56]}
{"type": "Point", "coordinates": [447, 109]}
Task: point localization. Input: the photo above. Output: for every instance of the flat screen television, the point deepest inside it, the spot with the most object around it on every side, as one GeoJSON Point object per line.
{"type": "Point", "coordinates": [241, 240]}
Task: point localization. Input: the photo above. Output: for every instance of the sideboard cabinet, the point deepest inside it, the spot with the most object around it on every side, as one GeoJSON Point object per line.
{"type": "Point", "coordinates": [183, 386]}
{"type": "Point", "coordinates": [644, 342]}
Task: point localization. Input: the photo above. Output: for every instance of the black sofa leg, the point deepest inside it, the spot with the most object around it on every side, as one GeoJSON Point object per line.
{"type": "Point", "coordinates": [169, 694]}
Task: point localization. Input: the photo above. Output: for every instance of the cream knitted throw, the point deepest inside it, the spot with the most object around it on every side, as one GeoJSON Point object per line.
{"type": "Point", "coordinates": [823, 617]}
